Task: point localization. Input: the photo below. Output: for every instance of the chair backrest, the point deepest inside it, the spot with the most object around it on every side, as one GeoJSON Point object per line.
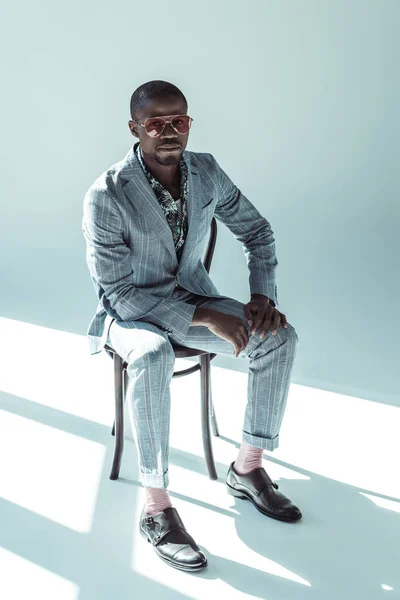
{"type": "Point", "coordinates": [211, 245]}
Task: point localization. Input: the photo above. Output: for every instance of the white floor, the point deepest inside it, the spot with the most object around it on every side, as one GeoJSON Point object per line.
{"type": "Point", "coordinates": [68, 532]}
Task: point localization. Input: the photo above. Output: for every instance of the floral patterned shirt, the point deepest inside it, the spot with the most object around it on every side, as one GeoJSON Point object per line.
{"type": "Point", "coordinates": [175, 210]}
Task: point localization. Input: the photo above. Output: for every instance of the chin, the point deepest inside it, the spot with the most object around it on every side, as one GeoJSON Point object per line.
{"type": "Point", "coordinates": [169, 160]}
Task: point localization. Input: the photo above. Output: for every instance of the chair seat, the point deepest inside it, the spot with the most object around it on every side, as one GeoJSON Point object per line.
{"type": "Point", "coordinates": [183, 352]}
{"type": "Point", "coordinates": [180, 351]}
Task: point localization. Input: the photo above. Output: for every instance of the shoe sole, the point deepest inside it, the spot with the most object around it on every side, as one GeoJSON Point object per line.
{"type": "Point", "coordinates": [242, 495]}
{"type": "Point", "coordinates": [170, 562]}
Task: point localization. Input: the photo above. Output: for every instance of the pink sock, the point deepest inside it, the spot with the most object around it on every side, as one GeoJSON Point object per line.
{"type": "Point", "coordinates": [249, 458]}
{"type": "Point", "coordinates": [157, 499]}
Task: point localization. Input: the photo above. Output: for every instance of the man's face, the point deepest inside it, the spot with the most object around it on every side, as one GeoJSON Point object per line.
{"type": "Point", "coordinates": [151, 147]}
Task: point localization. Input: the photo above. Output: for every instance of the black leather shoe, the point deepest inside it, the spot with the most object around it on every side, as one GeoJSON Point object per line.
{"type": "Point", "coordinates": [171, 541]}
{"type": "Point", "coordinates": [258, 487]}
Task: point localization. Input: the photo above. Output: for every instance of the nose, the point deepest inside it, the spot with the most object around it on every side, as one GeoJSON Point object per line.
{"type": "Point", "coordinates": [169, 131]}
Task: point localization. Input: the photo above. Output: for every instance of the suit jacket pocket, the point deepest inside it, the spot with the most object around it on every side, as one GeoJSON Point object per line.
{"type": "Point", "coordinates": [207, 203]}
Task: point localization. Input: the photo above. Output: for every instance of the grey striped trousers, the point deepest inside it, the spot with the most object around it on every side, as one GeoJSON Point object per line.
{"type": "Point", "coordinates": [148, 350]}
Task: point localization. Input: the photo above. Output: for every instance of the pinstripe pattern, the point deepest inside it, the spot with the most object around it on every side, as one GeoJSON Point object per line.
{"type": "Point", "coordinates": [149, 353]}
{"type": "Point", "coordinates": [174, 210]}
{"type": "Point", "coordinates": [146, 298]}
{"type": "Point", "coordinates": [130, 251]}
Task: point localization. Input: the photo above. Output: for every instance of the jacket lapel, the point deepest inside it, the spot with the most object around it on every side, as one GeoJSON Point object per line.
{"type": "Point", "coordinates": [193, 211]}
{"type": "Point", "coordinates": [141, 195]}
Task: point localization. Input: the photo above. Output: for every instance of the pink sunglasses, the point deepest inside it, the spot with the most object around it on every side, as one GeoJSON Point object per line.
{"type": "Point", "coordinates": [154, 126]}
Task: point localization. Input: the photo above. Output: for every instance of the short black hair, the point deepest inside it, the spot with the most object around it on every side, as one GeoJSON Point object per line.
{"type": "Point", "coordinates": [151, 90]}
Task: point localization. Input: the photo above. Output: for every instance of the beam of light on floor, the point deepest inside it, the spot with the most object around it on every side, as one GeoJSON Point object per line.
{"type": "Point", "coordinates": [383, 502]}
{"type": "Point", "coordinates": [21, 578]}
{"type": "Point", "coordinates": [49, 472]}
{"type": "Point", "coordinates": [54, 368]}
{"type": "Point", "coordinates": [350, 440]}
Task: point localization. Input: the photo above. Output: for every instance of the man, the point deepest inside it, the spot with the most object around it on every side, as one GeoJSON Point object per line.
{"type": "Point", "coordinates": [146, 223]}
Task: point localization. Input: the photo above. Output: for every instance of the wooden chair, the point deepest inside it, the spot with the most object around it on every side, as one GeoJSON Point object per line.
{"type": "Point", "coordinates": [204, 365]}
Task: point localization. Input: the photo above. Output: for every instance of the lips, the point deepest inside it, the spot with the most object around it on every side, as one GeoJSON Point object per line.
{"type": "Point", "coordinates": [169, 147]}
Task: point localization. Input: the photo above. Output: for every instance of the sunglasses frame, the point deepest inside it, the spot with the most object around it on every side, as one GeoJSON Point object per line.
{"type": "Point", "coordinates": [167, 119]}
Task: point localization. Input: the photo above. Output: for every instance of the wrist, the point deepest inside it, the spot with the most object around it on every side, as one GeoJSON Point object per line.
{"type": "Point", "coordinates": [202, 316]}
{"type": "Point", "coordinates": [258, 296]}
{"type": "Point", "coordinates": [255, 296]}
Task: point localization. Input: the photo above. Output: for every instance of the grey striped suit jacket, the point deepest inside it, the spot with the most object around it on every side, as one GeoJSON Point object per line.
{"type": "Point", "coordinates": [130, 250]}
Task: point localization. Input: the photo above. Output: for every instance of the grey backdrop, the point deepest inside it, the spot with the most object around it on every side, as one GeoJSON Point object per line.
{"type": "Point", "coordinates": [298, 102]}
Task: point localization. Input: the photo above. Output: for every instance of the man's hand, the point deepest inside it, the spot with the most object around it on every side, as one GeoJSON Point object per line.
{"type": "Point", "coordinates": [225, 326]}
{"type": "Point", "coordinates": [260, 313]}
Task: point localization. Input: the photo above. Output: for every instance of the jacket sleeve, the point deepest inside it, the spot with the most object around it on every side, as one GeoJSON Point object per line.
{"type": "Point", "coordinates": [108, 259]}
{"type": "Point", "coordinates": [253, 231]}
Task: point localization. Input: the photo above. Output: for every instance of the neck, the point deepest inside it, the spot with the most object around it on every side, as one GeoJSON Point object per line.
{"type": "Point", "coordinates": [165, 174]}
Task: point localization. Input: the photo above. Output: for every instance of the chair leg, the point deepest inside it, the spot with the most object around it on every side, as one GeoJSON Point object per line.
{"type": "Point", "coordinates": [119, 416]}
{"type": "Point", "coordinates": [204, 360]}
{"type": "Point", "coordinates": [126, 381]}
{"type": "Point", "coordinates": [213, 416]}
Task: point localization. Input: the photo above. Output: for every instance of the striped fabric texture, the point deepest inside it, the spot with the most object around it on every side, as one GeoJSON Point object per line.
{"type": "Point", "coordinates": [174, 210]}
{"type": "Point", "coordinates": [130, 249]}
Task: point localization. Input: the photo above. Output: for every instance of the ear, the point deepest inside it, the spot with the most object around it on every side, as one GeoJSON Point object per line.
{"type": "Point", "coordinates": [132, 127]}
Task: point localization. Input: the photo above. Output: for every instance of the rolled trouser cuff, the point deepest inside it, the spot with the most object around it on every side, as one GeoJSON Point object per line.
{"type": "Point", "coordinates": [261, 442]}
{"type": "Point", "coordinates": [154, 480]}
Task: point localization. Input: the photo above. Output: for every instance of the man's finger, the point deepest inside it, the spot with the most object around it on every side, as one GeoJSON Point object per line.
{"type": "Point", "coordinates": [247, 314]}
{"type": "Point", "coordinates": [244, 335]}
{"type": "Point", "coordinates": [241, 336]}
{"type": "Point", "coordinates": [275, 323]}
{"type": "Point", "coordinates": [250, 312]}
{"type": "Point", "coordinates": [237, 342]}
{"type": "Point", "coordinates": [244, 341]}
{"type": "Point", "coordinates": [244, 331]}
{"type": "Point", "coordinates": [266, 326]}
{"type": "Point", "coordinates": [258, 322]}
{"type": "Point", "coordinates": [238, 347]}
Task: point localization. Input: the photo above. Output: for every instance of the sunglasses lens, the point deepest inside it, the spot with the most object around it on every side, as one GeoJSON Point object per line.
{"type": "Point", "coordinates": [182, 123]}
{"type": "Point", "coordinates": [154, 126]}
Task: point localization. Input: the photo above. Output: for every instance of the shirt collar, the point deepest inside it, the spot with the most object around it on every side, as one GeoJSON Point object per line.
{"type": "Point", "coordinates": [155, 184]}
{"type": "Point", "coordinates": [139, 155]}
